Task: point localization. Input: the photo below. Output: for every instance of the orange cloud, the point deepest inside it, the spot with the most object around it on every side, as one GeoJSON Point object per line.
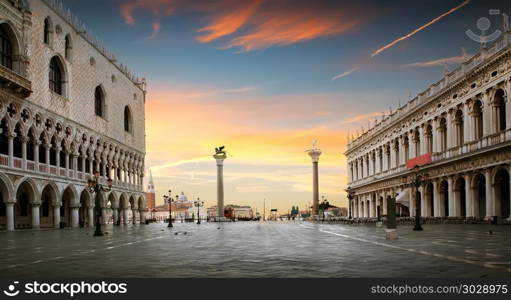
{"type": "Point", "coordinates": [156, 7]}
{"type": "Point", "coordinates": [259, 24]}
{"type": "Point", "coordinates": [228, 23]}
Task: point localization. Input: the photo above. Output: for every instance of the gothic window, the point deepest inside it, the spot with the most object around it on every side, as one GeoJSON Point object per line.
{"type": "Point", "coordinates": [127, 119]}
{"type": "Point", "coordinates": [99, 102]}
{"type": "Point", "coordinates": [68, 47]}
{"type": "Point", "coordinates": [47, 31]}
{"type": "Point", "coordinates": [56, 76]}
{"type": "Point", "coordinates": [5, 49]}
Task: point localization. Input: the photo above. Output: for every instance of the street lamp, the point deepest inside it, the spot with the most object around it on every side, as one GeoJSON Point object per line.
{"type": "Point", "coordinates": [168, 199]}
{"type": "Point", "coordinates": [350, 197]}
{"type": "Point", "coordinates": [95, 187]}
{"type": "Point", "coordinates": [198, 204]}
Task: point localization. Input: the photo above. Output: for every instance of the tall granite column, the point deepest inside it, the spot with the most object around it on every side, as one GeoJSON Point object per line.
{"type": "Point", "coordinates": [314, 153]}
{"type": "Point", "coordinates": [220, 156]}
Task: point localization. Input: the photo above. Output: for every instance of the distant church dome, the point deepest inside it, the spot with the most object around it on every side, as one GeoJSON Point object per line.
{"type": "Point", "coordinates": [182, 198]}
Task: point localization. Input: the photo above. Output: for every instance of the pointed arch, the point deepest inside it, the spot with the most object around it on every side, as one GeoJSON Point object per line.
{"type": "Point", "coordinates": [99, 101]}
{"type": "Point", "coordinates": [57, 76]}
{"type": "Point", "coordinates": [128, 120]}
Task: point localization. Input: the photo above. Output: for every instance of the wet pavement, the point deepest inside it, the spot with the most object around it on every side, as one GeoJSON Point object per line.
{"type": "Point", "coordinates": [257, 249]}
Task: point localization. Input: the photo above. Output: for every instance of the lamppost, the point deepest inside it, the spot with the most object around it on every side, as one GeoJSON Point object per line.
{"type": "Point", "coordinates": [350, 197]}
{"type": "Point", "coordinates": [95, 187]}
{"type": "Point", "coordinates": [168, 199]}
{"type": "Point", "coordinates": [198, 203]}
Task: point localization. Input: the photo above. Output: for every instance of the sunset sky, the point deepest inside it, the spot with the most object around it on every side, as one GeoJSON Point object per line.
{"type": "Point", "coordinates": [265, 78]}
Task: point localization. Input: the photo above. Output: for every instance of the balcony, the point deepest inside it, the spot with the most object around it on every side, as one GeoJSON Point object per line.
{"type": "Point", "coordinates": [63, 173]}
{"type": "Point", "coordinates": [482, 144]}
{"type": "Point", "coordinates": [12, 80]}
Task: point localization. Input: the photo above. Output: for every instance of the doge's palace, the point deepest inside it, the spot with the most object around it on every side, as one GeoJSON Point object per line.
{"type": "Point", "coordinates": [68, 108]}
{"type": "Point", "coordinates": [461, 128]}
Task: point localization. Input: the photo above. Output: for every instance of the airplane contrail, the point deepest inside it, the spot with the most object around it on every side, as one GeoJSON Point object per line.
{"type": "Point", "coordinates": [420, 28]}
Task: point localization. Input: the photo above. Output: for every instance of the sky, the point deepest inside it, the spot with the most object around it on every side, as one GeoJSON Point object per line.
{"type": "Point", "coordinates": [266, 78]}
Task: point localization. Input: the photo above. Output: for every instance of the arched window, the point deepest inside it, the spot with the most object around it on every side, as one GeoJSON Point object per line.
{"type": "Point", "coordinates": [429, 139]}
{"type": "Point", "coordinates": [68, 47]}
{"type": "Point", "coordinates": [127, 119]}
{"type": "Point", "coordinates": [99, 102]}
{"type": "Point", "coordinates": [477, 114]}
{"type": "Point", "coordinates": [443, 134]}
{"type": "Point", "coordinates": [47, 31]}
{"type": "Point", "coordinates": [500, 110]}
{"type": "Point", "coordinates": [417, 140]}
{"type": "Point", "coordinates": [5, 49]}
{"type": "Point", "coordinates": [56, 76]}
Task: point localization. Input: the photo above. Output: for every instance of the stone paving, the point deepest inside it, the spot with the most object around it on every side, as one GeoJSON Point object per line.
{"type": "Point", "coordinates": [258, 249]}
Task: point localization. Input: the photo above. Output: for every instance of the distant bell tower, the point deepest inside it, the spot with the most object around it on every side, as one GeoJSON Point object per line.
{"type": "Point", "coordinates": [151, 193]}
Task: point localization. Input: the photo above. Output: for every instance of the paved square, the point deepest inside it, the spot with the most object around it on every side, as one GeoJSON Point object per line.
{"type": "Point", "coordinates": [258, 249]}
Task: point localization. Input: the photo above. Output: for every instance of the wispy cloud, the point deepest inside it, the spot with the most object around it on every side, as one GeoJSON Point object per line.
{"type": "Point", "coordinates": [439, 62]}
{"type": "Point", "coordinates": [255, 24]}
{"type": "Point", "coordinates": [229, 22]}
{"type": "Point", "coordinates": [345, 73]}
{"type": "Point", "coordinates": [380, 50]}
{"type": "Point", "coordinates": [157, 8]}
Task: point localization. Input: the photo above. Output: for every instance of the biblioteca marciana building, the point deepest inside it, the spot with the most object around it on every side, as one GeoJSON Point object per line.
{"type": "Point", "coordinates": [459, 133]}
{"type": "Point", "coordinates": [67, 109]}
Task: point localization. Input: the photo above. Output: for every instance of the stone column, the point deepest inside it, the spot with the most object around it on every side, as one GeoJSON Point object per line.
{"type": "Point", "coordinates": [56, 216]}
{"type": "Point", "coordinates": [450, 135]}
{"type": "Point", "coordinates": [436, 198]}
{"type": "Point", "coordinates": [47, 148]}
{"type": "Point", "coordinates": [314, 153]}
{"type": "Point", "coordinates": [467, 124]}
{"type": "Point", "coordinates": [125, 216]}
{"type": "Point", "coordinates": [450, 191]}
{"type": "Point", "coordinates": [74, 217]}
{"type": "Point", "coordinates": [469, 211]}
{"type": "Point", "coordinates": [10, 138]}
{"type": "Point", "coordinates": [24, 140]}
{"type": "Point", "coordinates": [36, 154]}
{"type": "Point", "coordinates": [489, 193]}
{"type": "Point", "coordinates": [487, 117]}
{"type": "Point", "coordinates": [371, 207]}
{"type": "Point", "coordinates": [66, 162]}
{"type": "Point", "coordinates": [9, 215]}
{"type": "Point", "coordinates": [103, 216]}
{"type": "Point", "coordinates": [142, 216]}
{"type": "Point", "coordinates": [220, 157]}
{"type": "Point", "coordinates": [412, 198]}
{"type": "Point", "coordinates": [57, 159]}
{"type": "Point", "coordinates": [36, 221]}
{"type": "Point", "coordinates": [134, 216]}
{"type": "Point", "coordinates": [115, 214]}
{"type": "Point", "coordinates": [384, 210]}
{"type": "Point", "coordinates": [424, 204]}
{"type": "Point", "coordinates": [91, 215]}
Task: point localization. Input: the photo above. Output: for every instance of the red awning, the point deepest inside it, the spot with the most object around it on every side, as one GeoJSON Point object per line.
{"type": "Point", "coordinates": [419, 161]}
